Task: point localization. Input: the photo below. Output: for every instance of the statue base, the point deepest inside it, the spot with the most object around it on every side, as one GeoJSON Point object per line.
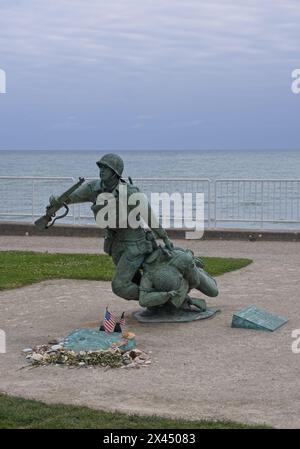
{"type": "Point", "coordinates": [169, 314]}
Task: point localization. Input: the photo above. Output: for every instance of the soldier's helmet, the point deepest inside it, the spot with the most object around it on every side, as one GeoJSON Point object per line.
{"type": "Point", "coordinates": [113, 161]}
{"type": "Point", "coordinates": [182, 260]}
{"type": "Point", "coordinates": [166, 278]}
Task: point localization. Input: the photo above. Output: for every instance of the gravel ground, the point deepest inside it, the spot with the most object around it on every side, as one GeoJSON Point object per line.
{"type": "Point", "coordinates": [199, 370]}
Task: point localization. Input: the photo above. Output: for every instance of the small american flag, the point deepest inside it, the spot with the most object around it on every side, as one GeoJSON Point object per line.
{"type": "Point", "coordinates": [122, 319]}
{"type": "Point", "coordinates": [109, 321]}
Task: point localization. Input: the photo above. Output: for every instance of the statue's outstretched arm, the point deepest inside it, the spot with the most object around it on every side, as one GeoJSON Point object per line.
{"type": "Point", "coordinates": [82, 195]}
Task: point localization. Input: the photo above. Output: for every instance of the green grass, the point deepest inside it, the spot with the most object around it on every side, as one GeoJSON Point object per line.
{"type": "Point", "coordinates": [18, 413]}
{"type": "Point", "coordinates": [220, 265]}
{"type": "Point", "coordinates": [19, 268]}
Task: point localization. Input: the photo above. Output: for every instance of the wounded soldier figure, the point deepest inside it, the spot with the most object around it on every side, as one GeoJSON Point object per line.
{"type": "Point", "coordinates": [169, 275]}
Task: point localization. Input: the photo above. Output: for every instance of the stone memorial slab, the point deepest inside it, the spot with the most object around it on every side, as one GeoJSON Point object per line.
{"type": "Point", "coordinates": [253, 318]}
{"type": "Point", "coordinates": [87, 339]}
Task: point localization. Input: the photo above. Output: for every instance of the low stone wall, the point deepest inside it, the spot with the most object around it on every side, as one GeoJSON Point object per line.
{"type": "Point", "coordinates": [58, 230]}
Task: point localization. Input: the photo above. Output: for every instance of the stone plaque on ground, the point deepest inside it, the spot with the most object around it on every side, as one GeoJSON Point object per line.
{"type": "Point", "coordinates": [253, 318]}
{"type": "Point", "coordinates": [93, 340]}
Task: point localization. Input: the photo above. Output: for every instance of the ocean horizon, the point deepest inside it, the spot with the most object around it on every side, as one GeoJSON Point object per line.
{"type": "Point", "coordinates": [213, 164]}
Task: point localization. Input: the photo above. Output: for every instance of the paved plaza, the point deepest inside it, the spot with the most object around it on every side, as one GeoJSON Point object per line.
{"type": "Point", "coordinates": [199, 370]}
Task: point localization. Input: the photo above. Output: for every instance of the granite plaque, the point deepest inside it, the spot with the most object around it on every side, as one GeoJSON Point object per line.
{"type": "Point", "coordinates": [253, 318]}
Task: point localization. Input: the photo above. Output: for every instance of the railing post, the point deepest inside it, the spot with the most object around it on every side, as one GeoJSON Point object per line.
{"type": "Point", "coordinates": [208, 204]}
{"type": "Point", "coordinates": [215, 205]}
{"type": "Point", "coordinates": [32, 200]}
{"type": "Point", "coordinates": [73, 207]}
{"type": "Point", "coordinates": [262, 205]}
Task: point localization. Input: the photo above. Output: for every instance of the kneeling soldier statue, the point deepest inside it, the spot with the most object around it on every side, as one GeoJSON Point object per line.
{"type": "Point", "coordinates": [127, 246]}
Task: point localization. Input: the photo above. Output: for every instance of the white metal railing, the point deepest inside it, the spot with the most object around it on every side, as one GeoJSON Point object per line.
{"type": "Point", "coordinates": [257, 202]}
{"type": "Point", "coordinates": [27, 196]}
{"type": "Point", "coordinates": [252, 203]}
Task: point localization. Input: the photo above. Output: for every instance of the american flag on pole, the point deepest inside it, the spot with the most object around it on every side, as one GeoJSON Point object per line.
{"type": "Point", "coordinates": [122, 319]}
{"type": "Point", "coordinates": [109, 321]}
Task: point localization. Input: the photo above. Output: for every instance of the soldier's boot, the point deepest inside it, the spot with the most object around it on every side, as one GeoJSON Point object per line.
{"type": "Point", "coordinates": [198, 302]}
{"type": "Point", "coordinates": [207, 284]}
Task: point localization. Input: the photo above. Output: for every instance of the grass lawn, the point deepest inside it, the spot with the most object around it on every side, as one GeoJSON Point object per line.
{"type": "Point", "coordinates": [18, 268]}
{"type": "Point", "coordinates": [18, 413]}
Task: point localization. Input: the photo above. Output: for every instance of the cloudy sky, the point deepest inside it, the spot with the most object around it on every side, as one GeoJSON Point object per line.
{"type": "Point", "coordinates": [149, 74]}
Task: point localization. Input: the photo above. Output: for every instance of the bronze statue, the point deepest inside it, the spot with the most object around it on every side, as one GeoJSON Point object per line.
{"type": "Point", "coordinates": [159, 277]}
{"type": "Point", "coordinates": [128, 247]}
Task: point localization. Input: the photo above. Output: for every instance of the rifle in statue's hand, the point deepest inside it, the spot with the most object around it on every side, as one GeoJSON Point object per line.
{"type": "Point", "coordinates": [56, 203]}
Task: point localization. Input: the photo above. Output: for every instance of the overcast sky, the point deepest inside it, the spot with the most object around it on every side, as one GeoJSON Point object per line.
{"type": "Point", "coordinates": [149, 74]}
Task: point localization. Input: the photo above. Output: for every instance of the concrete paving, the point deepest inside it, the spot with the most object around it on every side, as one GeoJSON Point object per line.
{"type": "Point", "coordinates": [199, 370]}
